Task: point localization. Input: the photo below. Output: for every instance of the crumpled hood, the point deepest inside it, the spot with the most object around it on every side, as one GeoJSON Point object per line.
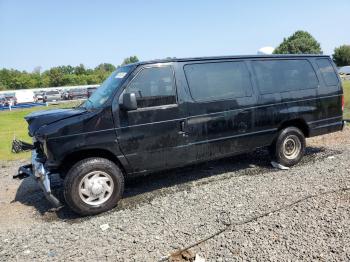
{"type": "Point", "coordinates": [41, 118]}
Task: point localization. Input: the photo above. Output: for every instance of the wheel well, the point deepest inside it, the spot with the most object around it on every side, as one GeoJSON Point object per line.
{"type": "Point", "coordinates": [74, 157]}
{"type": "Point", "coordinates": [299, 123]}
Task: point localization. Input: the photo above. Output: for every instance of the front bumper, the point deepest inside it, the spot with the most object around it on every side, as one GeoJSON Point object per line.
{"type": "Point", "coordinates": [41, 175]}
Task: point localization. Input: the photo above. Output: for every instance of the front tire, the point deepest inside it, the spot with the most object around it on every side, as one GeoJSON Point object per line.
{"type": "Point", "coordinates": [289, 147]}
{"type": "Point", "coordinates": [93, 185]}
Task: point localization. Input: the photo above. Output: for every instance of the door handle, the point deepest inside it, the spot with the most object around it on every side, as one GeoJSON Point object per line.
{"type": "Point", "coordinates": [182, 128]}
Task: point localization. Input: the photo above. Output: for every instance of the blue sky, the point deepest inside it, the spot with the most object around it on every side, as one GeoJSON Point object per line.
{"type": "Point", "coordinates": [49, 33]}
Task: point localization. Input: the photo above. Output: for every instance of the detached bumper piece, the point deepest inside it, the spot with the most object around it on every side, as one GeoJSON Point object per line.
{"type": "Point", "coordinates": [20, 146]}
{"type": "Point", "coordinates": [23, 172]}
{"type": "Point", "coordinates": [40, 174]}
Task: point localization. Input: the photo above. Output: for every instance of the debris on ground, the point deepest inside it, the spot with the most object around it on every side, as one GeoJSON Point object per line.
{"type": "Point", "coordinates": [279, 166]}
{"type": "Point", "coordinates": [104, 227]}
{"type": "Point", "coordinates": [184, 256]}
{"type": "Point", "coordinates": [199, 258]}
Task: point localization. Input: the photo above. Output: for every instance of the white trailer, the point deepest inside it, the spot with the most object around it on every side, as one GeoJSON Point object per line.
{"type": "Point", "coordinates": [24, 96]}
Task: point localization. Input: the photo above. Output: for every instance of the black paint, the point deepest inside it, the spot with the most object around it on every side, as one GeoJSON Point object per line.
{"type": "Point", "coordinates": [161, 137]}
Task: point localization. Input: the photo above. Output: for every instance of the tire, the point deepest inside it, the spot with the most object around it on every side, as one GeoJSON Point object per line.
{"type": "Point", "coordinates": [87, 180]}
{"type": "Point", "coordinates": [289, 147]}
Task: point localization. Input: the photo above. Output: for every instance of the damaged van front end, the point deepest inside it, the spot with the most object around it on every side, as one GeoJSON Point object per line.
{"type": "Point", "coordinates": [40, 174]}
{"type": "Point", "coordinates": [38, 122]}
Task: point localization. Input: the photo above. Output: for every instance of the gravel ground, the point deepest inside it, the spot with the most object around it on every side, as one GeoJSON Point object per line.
{"type": "Point", "coordinates": [169, 211]}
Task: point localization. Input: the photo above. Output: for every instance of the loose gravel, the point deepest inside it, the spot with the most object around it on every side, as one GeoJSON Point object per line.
{"type": "Point", "coordinates": [165, 212]}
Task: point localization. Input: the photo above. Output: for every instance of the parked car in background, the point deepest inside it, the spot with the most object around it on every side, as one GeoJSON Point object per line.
{"type": "Point", "coordinates": [6, 101]}
{"type": "Point", "coordinates": [64, 95]}
{"type": "Point", "coordinates": [90, 91]}
{"type": "Point", "coordinates": [52, 95]}
{"type": "Point", "coordinates": [76, 94]}
{"type": "Point", "coordinates": [11, 99]}
{"type": "Point", "coordinates": [38, 96]}
{"type": "Point", "coordinates": [345, 70]}
{"type": "Point", "coordinates": [3, 101]}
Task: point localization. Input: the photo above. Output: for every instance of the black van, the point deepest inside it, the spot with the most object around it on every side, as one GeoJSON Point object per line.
{"type": "Point", "coordinates": [157, 115]}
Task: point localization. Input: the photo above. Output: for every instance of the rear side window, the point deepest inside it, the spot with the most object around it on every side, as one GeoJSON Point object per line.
{"type": "Point", "coordinates": [327, 71]}
{"type": "Point", "coordinates": [275, 76]}
{"type": "Point", "coordinates": [153, 87]}
{"type": "Point", "coordinates": [216, 81]}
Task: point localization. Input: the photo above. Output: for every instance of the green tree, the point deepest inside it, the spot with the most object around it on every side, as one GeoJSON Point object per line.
{"type": "Point", "coordinates": [80, 70]}
{"type": "Point", "coordinates": [93, 79]}
{"type": "Point", "coordinates": [67, 70]}
{"type": "Point", "coordinates": [341, 56]}
{"type": "Point", "coordinates": [70, 80]}
{"type": "Point", "coordinates": [300, 42]}
{"type": "Point", "coordinates": [4, 78]}
{"type": "Point", "coordinates": [105, 67]}
{"type": "Point", "coordinates": [44, 81]}
{"type": "Point", "coordinates": [56, 76]}
{"type": "Point", "coordinates": [130, 60]}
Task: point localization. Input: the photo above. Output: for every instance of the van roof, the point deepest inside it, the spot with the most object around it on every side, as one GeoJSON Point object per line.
{"type": "Point", "coordinates": [167, 60]}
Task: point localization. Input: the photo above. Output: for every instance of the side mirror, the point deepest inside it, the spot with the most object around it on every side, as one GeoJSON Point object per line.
{"type": "Point", "coordinates": [129, 102]}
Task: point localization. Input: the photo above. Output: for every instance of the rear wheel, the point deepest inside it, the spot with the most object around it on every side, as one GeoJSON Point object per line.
{"type": "Point", "coordinates": [93, 185]}
{"type": "Point", "coordinates": [289, 147]}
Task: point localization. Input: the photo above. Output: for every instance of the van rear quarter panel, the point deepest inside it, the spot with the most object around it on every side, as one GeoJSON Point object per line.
{"type": "Point", "coordinates": [329, 115]}
{"type": "Point", "coordinates": [318, 107]}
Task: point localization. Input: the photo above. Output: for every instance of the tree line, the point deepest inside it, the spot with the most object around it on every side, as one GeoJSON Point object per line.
{"type": "Point", "coordinates": [65, 75]}
{"type": "Point", "coordinates": [300, 42]}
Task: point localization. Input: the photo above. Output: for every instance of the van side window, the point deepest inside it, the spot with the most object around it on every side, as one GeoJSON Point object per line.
{"type": "Point", "coordinates": [274, 76]}
{"type": "Point", "coordinates": [216, 81]}
{"type": "Point", "coordinates": [327, 71]}
{"type": "Point", "coordinates": [153, 86]}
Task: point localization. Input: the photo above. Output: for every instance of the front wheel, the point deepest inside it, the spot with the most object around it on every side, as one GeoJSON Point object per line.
{"type": "Point", "coordinates": [93, 185]}
{"type": "Point", "coordinates": [289, 147]}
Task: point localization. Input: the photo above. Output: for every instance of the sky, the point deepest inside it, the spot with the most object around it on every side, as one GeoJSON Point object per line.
{"type": "Point", "coordinates": [50, 33]}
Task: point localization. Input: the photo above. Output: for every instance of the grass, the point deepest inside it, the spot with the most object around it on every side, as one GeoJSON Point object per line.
{"type": "Point", "coordinates": [12, 124]}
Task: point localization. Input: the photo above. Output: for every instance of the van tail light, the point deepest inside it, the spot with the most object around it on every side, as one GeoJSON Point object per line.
{"type": "Point", "coordinates": [342, 103]}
